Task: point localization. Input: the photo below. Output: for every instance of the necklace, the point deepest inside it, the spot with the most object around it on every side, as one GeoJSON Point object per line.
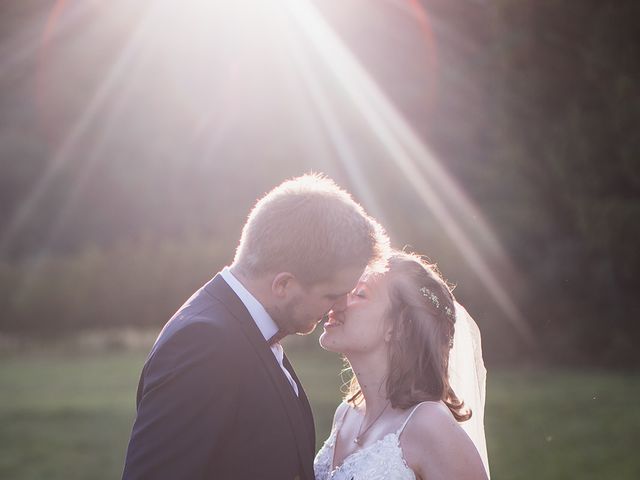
{"type": "Point", "coordinates": [358, 438]}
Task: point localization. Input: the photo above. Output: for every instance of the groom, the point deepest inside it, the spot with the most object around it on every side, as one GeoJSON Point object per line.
{"type": "Point", "coordinates": [217, 398]}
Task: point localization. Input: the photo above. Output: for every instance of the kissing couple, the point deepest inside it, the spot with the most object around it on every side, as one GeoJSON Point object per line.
{"type": "Point", "coordinates": [218, 398]}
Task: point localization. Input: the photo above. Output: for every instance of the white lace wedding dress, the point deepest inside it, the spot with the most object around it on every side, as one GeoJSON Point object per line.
{"type": "Point", "coordinates": [382, 460]}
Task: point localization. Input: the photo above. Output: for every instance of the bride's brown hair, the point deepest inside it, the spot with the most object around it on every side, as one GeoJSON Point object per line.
{"type": "Point", "coordinates": [422, 316]}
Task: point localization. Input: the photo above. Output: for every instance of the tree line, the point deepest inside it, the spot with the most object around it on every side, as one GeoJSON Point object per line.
{"type": "Point", "coordinates": [531, 106]}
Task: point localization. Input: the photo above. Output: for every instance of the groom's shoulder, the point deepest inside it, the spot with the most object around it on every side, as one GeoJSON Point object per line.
{"type": "Point", "coordinates": [202, 319]}
{"type": "Point", "coordinates": [206, 307]}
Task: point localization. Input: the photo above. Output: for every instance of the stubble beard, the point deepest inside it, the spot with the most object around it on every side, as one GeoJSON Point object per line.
{"type": "Point", "coordinates": [286, 319]}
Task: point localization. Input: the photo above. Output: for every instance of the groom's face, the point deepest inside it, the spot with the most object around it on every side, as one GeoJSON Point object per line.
{"type": "Point", "coordinates": [309, 304]}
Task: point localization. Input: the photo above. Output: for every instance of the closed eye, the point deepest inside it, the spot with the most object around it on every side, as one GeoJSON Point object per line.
{"type": "Point", "coordinates": [334, 297]}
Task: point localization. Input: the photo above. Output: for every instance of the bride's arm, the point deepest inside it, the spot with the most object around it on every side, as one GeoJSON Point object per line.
{"type": "Point", "coordinates": [436, 447]}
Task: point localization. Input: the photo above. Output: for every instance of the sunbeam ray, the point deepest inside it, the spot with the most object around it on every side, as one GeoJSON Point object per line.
{"type": "Point", "coordinates": [25, 45]}
{"type": "Point", "coordinates": [407, 151]}
{"type": "Point", "coordinates": [64, 153]}
{"type": "Point", "coordinates": [335, 132]}
{"type": "Point", "coordinates": [124, 63]}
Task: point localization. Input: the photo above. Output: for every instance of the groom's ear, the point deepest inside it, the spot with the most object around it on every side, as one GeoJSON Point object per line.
{"type": "Point", "coordinates": [282, 284]}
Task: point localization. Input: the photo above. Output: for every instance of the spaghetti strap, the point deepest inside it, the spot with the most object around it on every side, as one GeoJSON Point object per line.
{"type": "Point", "coordinates": [340, 421]}
{"type": "Point", "coordinates": [401, 429]}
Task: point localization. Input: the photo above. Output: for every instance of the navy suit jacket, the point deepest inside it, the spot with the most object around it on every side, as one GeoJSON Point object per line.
{"type": "Point", "coordinates": [213, 403]}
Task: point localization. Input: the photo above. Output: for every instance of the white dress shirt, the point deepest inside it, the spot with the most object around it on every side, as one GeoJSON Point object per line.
{"type": "Point", "coordinates": [263, 320]}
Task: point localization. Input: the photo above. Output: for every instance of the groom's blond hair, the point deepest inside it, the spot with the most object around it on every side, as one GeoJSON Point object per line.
{"type": "Point", "coordinates": [310, 227]}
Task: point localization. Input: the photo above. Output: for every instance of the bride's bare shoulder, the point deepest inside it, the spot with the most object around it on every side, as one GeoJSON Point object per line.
{"type": "Point", "coordinates": [435, 445]}
{"type": "Point", "coordinates": [430, 419]}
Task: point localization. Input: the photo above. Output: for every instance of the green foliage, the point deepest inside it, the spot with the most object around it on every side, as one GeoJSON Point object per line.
{"type": "Point", "coordinates": [135, 284]}
{"type": "Point", "coordinates": [531, 105]}
{"type": "Point", "coordinates": [569, 96]}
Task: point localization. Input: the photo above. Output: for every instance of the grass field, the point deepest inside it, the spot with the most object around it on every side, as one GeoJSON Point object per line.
{"type": "Point", "coordinates": [68, 416]}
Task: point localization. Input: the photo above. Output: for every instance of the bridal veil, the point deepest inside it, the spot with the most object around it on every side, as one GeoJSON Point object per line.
{"type": "Point", "coordinates": [467, 375]}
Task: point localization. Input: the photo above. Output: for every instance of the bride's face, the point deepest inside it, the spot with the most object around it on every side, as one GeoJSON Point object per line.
{"type": "Point", "coordinates": [359, 326]}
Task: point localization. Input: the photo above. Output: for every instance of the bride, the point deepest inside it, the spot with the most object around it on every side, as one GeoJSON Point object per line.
{"type": "Point", "coordinates": [415, 405]}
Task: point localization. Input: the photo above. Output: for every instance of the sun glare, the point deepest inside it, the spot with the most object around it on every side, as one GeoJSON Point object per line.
{"type": "Point", "coordinates": [439, 192]}
{"type": "Point", "coordinates": [209, 65]}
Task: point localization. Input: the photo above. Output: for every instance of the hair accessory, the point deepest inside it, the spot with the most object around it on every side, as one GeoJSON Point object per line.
{"type": "Point", "coordinates": [435, 301]}
{"type": "Point", "coordinates": [431, 296]}
{"type": "Point", "coordinates": [448, 312]}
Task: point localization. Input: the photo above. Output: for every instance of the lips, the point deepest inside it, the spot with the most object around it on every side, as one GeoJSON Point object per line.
{"type": "Point", "coordinates": [332, 321]}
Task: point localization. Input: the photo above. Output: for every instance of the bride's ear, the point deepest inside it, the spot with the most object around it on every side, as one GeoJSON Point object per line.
{"type": "Point", "coordinates": [388, 333]}
{"type": "Point", "coordinates": [282, 284]}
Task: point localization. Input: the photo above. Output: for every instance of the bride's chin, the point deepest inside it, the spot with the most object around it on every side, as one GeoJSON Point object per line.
{"type": "Point", "coordinates": [328, 344]}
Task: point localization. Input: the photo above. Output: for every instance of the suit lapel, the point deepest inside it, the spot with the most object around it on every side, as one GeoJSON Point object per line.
{"type": "Point", "coordinates": [219, 289]}
{"type": "Point", "coordinates": [303, 403]}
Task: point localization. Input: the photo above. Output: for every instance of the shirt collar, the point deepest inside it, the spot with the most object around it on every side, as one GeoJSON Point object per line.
{"type": "Point", "coordinates": [264, 322]}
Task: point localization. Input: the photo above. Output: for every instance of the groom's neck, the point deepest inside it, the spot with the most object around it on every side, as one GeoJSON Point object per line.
{"type": "Point", "coordinates": [259, 287]}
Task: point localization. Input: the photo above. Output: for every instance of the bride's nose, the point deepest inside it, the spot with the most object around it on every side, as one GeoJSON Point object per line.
{"type": "Point", "coordinates": [341, 304]}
